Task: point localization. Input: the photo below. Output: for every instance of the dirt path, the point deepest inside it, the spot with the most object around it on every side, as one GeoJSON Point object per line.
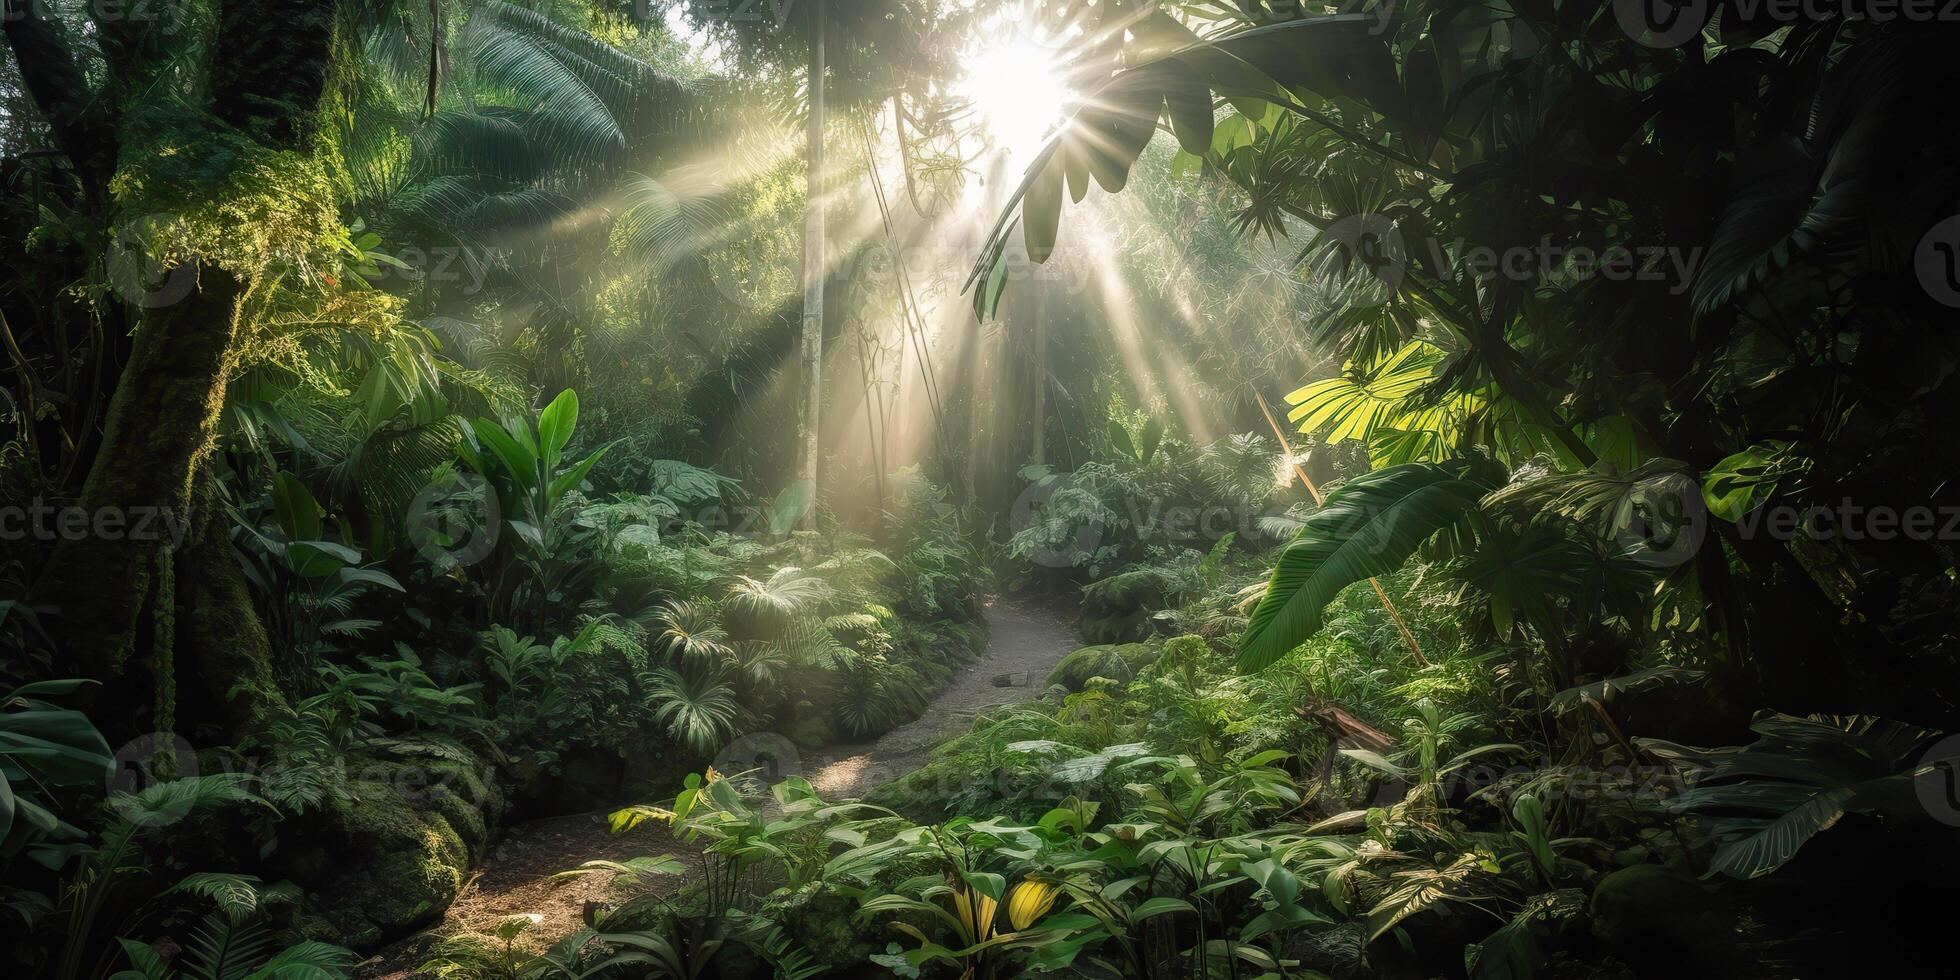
{"type": "Point", "coordinates": [1027, 638]}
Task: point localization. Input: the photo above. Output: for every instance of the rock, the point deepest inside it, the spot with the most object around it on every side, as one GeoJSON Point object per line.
{"type": "Point", "coordinates": [1016, 679]}
{"type": "Point", "coordinates": [1664, 923]}
{"type": "Point", "coordinates": [387, 856]}
{"type": "Point", "coordinates": [1114, 627]}
{"type": "Point", "coordinates": [811, 729]}
{"type": "Point", "coordinates": [1074, 670]}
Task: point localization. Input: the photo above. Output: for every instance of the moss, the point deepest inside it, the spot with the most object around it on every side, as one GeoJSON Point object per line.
{"type": "Point", "coordinates": [1664, 923]}
{"type": "Point", "coordinates": [1074, 670]}
{"type": "Point", "coordinates": [397, 847]}
{"type": "Point", "coordinates": [1116, 627]}
{"type": "Point", "coordinates": [1141, 655]}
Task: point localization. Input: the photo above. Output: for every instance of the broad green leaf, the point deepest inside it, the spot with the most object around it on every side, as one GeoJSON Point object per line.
{"type": "Point", "coordinates": [564, 482]}
{"type": "Point", "coordinates": [1743, 481]}
{"type": "Point", "coordinates": [520, 463]}
{"type": "Point", "coordinates": [295, 509]}
{"type": "Point", "coordinates": [1368, 527]}
{"type": "Point", "coordinates": [790, 506]}
{"type": "Point", "coordinates": [1154, 907]}
{"type": "Point", "coordinates": [555, 426]}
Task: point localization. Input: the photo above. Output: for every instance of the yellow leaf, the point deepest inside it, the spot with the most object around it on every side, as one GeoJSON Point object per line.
{"type": "Point", "coordinates": [1029, 901]}
{"type": "Point", "coordinates": [622, 821]}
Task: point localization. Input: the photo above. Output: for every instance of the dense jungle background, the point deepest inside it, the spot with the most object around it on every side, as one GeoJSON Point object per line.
{"type": "Point", "coordinates": [978, 488]}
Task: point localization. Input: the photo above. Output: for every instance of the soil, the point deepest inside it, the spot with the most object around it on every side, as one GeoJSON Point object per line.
{"type": "Point", "coordinates": [1027, 637]}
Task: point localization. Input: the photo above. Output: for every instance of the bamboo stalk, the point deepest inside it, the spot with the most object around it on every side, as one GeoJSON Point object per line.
{"type": "Point", "coordinates": [1388, 605]}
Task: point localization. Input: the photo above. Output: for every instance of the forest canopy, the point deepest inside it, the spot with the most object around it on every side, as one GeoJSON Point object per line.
{"type": "Point", "coordinates": [977, 488]}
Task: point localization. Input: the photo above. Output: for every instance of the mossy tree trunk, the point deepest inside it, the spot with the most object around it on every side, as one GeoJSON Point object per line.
{"type": "Point", "coordinates": [161, 424]}
{"type": "Point", "coordinates": [120, 597]}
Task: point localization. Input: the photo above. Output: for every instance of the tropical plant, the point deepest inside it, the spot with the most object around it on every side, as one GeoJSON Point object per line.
{"type": "Point", "coordinates": [233, 942]}
{"type": "Point", "coordinates": [1367, 527]}
{"type": "Point", "coordinates": [311, 581]}
{"type": "Point", "coordinates": [117, 860]}
{"type": "Point", "coordinates": [697, 706]}
{"type": "Point", "coordinates": [1760, 803]}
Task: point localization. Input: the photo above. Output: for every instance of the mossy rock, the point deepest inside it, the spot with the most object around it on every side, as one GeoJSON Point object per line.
{"type": "Point", "coordinates": [1141, 655]}
{"type": "Point", "coordinates": [813, 728]}
{"type": "Point", "coordinates": [1074, 671]}
{"type": "Point", "coordinates": [1115, 627]}
{"type": "Point", "coordinates": [1142, 589]}
{"type": "Point", "coordinates": [389, 854]}
{"type": "Point", "coordinates": [1664, 923]}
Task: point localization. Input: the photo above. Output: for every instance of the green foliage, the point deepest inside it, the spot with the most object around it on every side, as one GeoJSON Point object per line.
{"type": "Point", "coordinates": [43, 746]}
{"type": "Point", "coordinates": [402, 692]}
{"type": "Point", "coordinates": [1763, 801]}
{"type": "Point", "coordinates": [1369, 526]}
{"type": "Point", "coordinates": [233, 941]}
{"type": "Point", "coordinates": [311, 582]}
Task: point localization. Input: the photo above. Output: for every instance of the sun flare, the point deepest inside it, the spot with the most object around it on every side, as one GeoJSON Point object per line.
{"type": "Point", "coordinates": [1017, 89]}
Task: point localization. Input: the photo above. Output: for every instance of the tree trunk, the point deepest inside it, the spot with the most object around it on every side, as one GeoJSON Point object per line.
{"type": "Point", "coordinates": [1040, 294]}
{"type": "Point", "coordinates": [162, 422]}
{"type": "Point", "coordinates": [116, 583]}
{"type": "Point", "coordinates": [813, 271]}
{"type": "Point", "coordinates": [224, 641]}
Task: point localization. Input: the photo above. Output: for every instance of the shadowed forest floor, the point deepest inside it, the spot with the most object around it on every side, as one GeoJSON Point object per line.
{"type": "Point", "coordinates": [1027, 637]}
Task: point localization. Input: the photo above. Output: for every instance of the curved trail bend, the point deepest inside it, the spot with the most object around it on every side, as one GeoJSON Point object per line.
{"type": "Point", "coordinates": [1027, 638]}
